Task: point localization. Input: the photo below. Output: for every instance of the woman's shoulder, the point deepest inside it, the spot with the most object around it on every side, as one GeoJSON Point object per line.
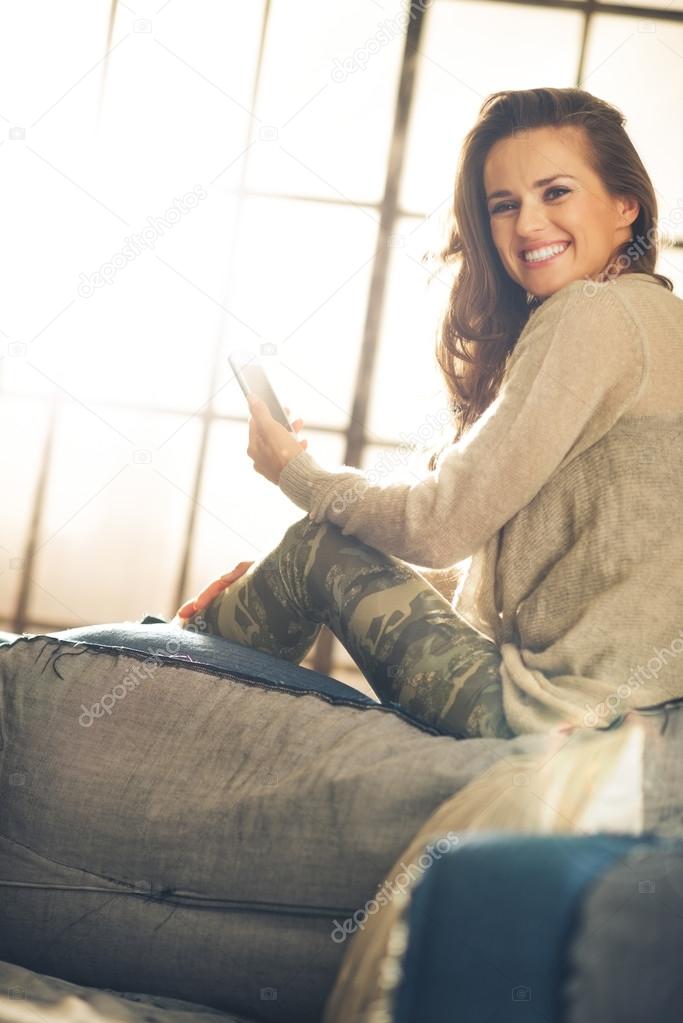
{"type": "Point", "coordinates": [617, 287]}
{"type": "Point", "coordinates": [587, 288]}
{"type": "Point", "coordinates": [580, 302]}
{"type": "Point", "coordinates": [575, 315]}
{"type": "Point", "coordinates": [601, 302]}
{"type": "Point", "coordinates": [645, 301]}
{"type": "Point", "coordinates": [625, 310]}
{"type": "Point", "coordinates": [649, 284]}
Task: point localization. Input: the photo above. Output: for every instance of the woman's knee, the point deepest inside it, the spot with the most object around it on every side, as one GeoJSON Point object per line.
{"type": "Point", "coordinates": [306, 531]}
{"type": "Point", "coordinates": [302, 529]}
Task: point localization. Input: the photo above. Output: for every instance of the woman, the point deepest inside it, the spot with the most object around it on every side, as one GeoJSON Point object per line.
{"type": "Point", "coordinates": [557, 501]}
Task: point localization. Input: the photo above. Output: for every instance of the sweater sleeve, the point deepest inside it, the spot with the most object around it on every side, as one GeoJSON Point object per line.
{"type": "Point", "coordinates": [579, 363]}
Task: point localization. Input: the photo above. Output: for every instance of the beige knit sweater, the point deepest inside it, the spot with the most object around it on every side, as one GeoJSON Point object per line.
{"type": "Point", "coordinates": [562, 508]}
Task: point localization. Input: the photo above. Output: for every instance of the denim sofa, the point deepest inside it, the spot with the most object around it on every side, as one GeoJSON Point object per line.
{"type": "Point", "coordinates": [554, 928]}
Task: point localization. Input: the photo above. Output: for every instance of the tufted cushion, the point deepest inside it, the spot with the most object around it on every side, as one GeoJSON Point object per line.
{"type": "Point", "coordinates": [189, 818]}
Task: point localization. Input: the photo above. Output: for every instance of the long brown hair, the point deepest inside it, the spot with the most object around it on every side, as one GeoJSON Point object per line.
{"type": "Point", "coordinates": [486, 309]}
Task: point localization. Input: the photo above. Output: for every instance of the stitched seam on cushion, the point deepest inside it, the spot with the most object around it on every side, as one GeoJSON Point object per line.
{"type": "Point", "coordinates": [181, 896]}
{"type": "Point", "coordinates": [166, 897]}
{"type": "Point", "coordinates": [60, 863]}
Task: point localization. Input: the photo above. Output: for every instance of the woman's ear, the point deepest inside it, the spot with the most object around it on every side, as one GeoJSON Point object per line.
{"type": "Point", "coordinates": [629, 208]}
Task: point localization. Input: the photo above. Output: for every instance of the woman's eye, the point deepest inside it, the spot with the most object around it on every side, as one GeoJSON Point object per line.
{"type": "Point", "coordinates": [500, 208]}
{"type": "Point", "coordinates": [559, 188]}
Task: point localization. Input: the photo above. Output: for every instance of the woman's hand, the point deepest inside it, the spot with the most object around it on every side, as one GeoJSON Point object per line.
{"type": "Point", "coordinates": [191, 607]}
{"type": "Point", "coordinates": [271, 445]}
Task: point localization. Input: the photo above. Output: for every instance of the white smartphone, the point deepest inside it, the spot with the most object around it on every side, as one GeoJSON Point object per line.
{"type": "Point", "coordinates": [251, 376]}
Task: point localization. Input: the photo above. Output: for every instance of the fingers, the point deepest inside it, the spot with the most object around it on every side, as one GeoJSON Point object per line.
{"type": "Point", "coordinates": [211, 591]}
{"type": "Point", "coordinates": [240, 568]}
{"type": "Point", "coordinates": [218, 585]}
{"type": "Point", "coordinates": [298, 423]}
{"type": "Point", "coordinates": [191, 607]}
{"type": "Point", "coordinates": [186, 610]}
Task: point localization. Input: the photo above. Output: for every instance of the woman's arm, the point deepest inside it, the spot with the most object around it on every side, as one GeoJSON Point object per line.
{"type": "Point", "coordinates": [577, 367]}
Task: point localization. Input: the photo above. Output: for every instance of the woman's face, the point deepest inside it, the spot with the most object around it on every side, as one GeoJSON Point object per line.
{"type": "Point", "coordinates": [573, 212]}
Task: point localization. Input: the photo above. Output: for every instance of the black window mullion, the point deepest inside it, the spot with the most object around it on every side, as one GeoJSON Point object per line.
{"type": "Point", "coordinates": [389, 211]}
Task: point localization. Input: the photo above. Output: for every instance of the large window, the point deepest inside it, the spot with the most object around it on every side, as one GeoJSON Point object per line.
{"type": "Point", "coordinates": [183, 177]}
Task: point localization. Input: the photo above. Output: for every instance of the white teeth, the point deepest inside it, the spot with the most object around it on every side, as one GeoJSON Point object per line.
{"type": "Point", "coordinates": [538, 254]}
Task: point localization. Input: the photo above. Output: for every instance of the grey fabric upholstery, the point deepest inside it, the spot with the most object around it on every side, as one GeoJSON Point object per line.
{"type": "Point", "coordinates": [198, 838]}
{"type": "Point", "coordinates": [27, 995]}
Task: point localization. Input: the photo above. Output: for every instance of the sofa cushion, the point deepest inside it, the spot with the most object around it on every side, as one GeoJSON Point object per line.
{"type": "Point", "coordinates": [554, 927]}
{"type": "Point", "coordinates": [158, 638]}
{"type": "Point", "coordinates": [193, 830]}
{"type": "Point", "coordinates": [29, 996]}
{"type": "Point", "coordinates": [582, 782]}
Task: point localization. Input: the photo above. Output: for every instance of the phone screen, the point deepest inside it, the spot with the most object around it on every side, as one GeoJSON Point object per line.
{"type": "Point", "coordinates": [251, 376]}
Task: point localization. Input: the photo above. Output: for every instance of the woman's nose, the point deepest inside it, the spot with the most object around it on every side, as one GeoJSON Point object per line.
{"type": "Point", "coordinates": [531, 220]}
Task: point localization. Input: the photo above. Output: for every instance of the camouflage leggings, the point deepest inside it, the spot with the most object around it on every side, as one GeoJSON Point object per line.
{"type": "Point", "coordinates": [413, 648]}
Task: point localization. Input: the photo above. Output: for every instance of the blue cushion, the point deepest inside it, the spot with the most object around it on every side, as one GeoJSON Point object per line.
{"type": "Point", "coordinates": [169, 642]}
{"type": "Point", "coordinates": [492, 923]}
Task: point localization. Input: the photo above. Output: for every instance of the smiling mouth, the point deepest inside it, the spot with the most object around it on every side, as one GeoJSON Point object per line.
{"type": "Point", "coordinates": [553, 252]}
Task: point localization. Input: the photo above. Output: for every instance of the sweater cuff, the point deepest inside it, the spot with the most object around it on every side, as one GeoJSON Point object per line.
{"type": "Point", "coordinates": [302, 480]}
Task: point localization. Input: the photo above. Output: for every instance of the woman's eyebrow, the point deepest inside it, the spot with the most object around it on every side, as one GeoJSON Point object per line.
{"type": "Point", "coordinates": [536, 184]}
